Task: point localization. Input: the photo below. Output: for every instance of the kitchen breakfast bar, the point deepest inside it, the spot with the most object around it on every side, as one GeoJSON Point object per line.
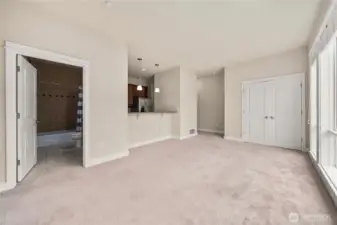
{"type": "Point", "coordinates": [149, 127]}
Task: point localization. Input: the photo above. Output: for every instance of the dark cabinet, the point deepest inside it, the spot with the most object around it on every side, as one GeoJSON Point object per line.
{"type": "Point", "coordinates": [130, 94]}
{"type": "Point", "coordinates": [133, 92]}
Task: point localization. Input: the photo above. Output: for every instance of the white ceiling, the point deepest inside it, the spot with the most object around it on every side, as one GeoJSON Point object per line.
{"type": "Point", "coordinates": [202, 36]}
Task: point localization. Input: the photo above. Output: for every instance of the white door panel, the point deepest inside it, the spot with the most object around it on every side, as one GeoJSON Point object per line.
{"type": "Point", "coordinates": [288, 118]}
{"type": "Point", "coordinates": [256, 112]}
{"type": "Point", "coordinates": [27, 156]}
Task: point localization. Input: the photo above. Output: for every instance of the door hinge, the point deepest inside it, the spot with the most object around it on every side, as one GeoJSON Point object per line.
{"type": "Point", "coordinates": [18, 115]}
{"type": "Point", "coordinates": [301, 140]}
{"type": "Point", "coordinates": [301, 84]}
{"type": "Point", "coordinates": [18, 68]}
{"type": "Point", "coordinates": [18, 162]}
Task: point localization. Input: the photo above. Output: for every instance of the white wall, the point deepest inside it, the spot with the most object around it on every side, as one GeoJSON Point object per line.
{"type": "Point", "coordinates": [295, 61]}
{"type": "Point", "coordinates": [178, 92]}
{"type": "Point", "coordinates": [321, 14]}
{"type": "Point", "coordinates": [168, 99]}
{"type": "Point", "coordinates": [188, 102]}
{"type": "Point", "coordinates": [24, 23]}
{"type": "Point", "coordinates": [138, 81]}
{"type": "Point", "coordinates": [146, 128]}
{"type": "Point", "coordinates": [211, 102]}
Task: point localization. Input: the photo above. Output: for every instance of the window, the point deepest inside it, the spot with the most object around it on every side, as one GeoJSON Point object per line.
{"type": "Point", "coordinates": [327, 119]}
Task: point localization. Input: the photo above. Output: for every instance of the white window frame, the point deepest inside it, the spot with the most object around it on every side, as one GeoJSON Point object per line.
{"type": "Point", "coordinates": [335, 89]}
{"type": "Point", "coordinates": [314, 68]}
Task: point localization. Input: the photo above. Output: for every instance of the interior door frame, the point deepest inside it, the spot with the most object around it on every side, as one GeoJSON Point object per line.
{"type": "Point", "coordinates": [303, 108]}
{"type": "Point", "coordinates": [11, 52]}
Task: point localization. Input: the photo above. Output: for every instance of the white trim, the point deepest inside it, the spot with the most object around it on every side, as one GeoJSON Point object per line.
{"type": "Point", "coordinates": [211, 131]}
{"type": "Point", "coordinates": [270, 78]}
{"type": "Point", "coordinates": [304, 112]}
{"type": "Point", "coordinates": [43, 54]}
{"type": "Point", "coordinates": [11, 52]}
{"type": "Point", "coordinates": [5, 187]}
{"type": "Point", "coordinates": [188, 136]}
{"type": "Point", "coordinates": [229, 138]}
{"type": "Point", "coordinates": [94, 162]}
{"type": "Point", "coordinates": [136, 145]}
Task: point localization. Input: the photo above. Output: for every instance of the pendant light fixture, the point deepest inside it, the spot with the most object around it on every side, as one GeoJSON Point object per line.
{"type": "Point", "coordinates": [156, 90]}
{"type": "Point", "coordinates": [139, 87]}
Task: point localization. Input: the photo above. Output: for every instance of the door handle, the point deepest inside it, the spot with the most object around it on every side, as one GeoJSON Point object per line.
{"type": "Point", "coordinates": [272, 117]}
{"type": "Point", "coordinates": [266, 117]}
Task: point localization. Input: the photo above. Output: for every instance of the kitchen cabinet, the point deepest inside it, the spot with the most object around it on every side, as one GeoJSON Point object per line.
{"type": "Point", "coordinates": [142, 93]}
{"type": "Point", "coordinates": [133, 92]}
{"type": "Point", "coordinates": [130, 94]}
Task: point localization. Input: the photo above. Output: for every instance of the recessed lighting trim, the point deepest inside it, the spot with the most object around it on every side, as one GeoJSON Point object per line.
{"type": "Point", "coordinates": [108, 2]}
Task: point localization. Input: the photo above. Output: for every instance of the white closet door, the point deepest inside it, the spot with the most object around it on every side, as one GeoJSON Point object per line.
{"type": "Point", "coordinates": [270, 137]}
{"type": "Point", "coordinates": [256, 112]}
{"type": "Point", "coordinates": [288, 106]}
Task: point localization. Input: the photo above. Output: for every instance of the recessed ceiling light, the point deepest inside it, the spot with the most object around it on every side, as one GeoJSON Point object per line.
{"type": "Point", "coordinates": [108, 2]}
{"type": "Point", "coordinates": [143, 69]}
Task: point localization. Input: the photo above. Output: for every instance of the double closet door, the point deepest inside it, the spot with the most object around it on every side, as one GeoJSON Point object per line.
{"type": "Point", "coordinates": [272, 111]}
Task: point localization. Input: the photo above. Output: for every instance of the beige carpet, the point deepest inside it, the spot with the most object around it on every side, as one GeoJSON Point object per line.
{"type": "Point", "coordinates": [200, 181]}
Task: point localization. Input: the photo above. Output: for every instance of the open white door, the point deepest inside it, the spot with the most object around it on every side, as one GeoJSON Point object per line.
{"type": "Point", "coordinates": [26, 108]}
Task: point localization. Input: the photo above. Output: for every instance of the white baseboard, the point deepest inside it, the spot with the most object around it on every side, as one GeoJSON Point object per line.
{"type": "Point", "coordinates": [3, 187]}
{"type": "Point", "coordinates": [188, 136]}
{"type": "Point", "coordinates": [6, 187]}
{"type": "Point", "coordinates": [233, 139]}
{"type": "Point", "coordinates": [211, 131]}
{"type": "Point", "coordinates": [136, 145]}
{"type": "Point", "coordinates": [109, 158]}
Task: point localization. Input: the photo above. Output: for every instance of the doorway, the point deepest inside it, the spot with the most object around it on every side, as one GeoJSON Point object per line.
{"type": "Point", "coordinates": [50, 115]}
{"type": "Point", "coordinates": [20, 141]}
{"type": "Point", "coordinates": [273, 111]}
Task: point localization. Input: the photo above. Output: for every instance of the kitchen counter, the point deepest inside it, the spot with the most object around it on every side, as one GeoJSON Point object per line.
{"type": "Point", "coordinates": [143, 113]}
